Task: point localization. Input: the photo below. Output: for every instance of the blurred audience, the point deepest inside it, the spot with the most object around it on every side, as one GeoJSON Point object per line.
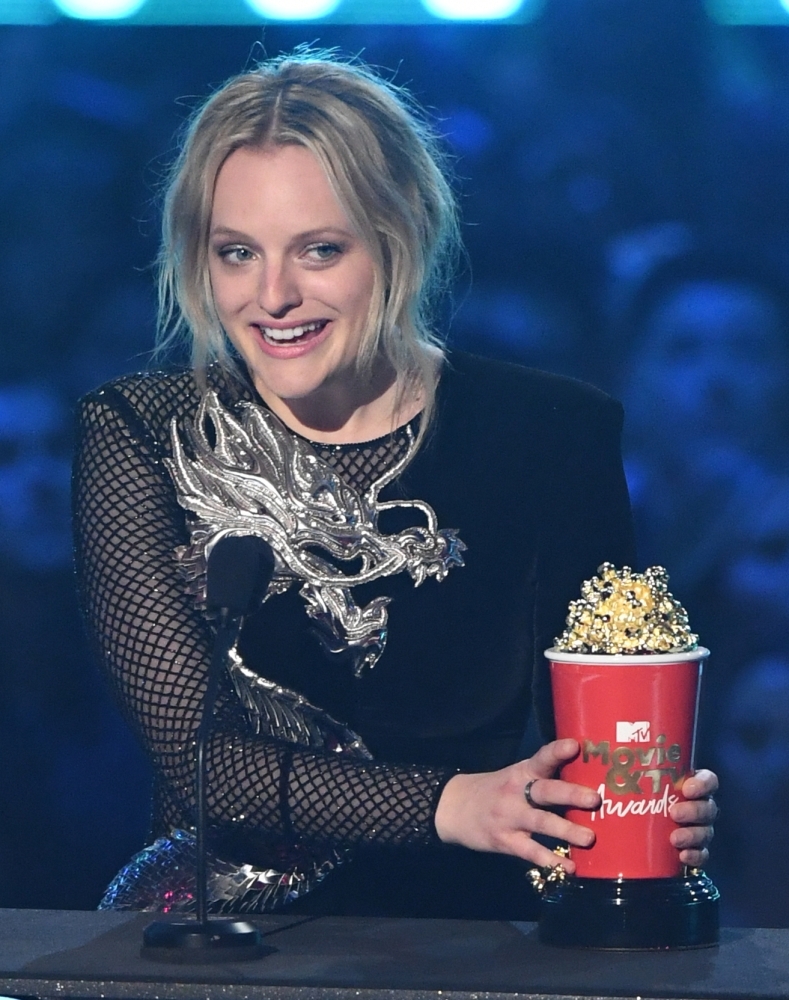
{"type": "Point", "coordinates": [704, 387]}
{"type": "Point", "coordinates": [73, 783]}
{"type": "Point", "coordinates": [752, 744]}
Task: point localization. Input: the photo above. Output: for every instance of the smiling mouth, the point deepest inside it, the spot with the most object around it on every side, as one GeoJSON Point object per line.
{"type": "Point", "coordinates": [291, 333]}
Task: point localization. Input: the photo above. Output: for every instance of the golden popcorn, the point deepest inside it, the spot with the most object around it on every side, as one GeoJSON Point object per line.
{"type": "Point", "coordinates": [625, 612]}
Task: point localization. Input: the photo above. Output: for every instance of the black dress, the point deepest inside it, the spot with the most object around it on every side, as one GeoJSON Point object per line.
{"type": "Point", "coordinates": [526, 466]}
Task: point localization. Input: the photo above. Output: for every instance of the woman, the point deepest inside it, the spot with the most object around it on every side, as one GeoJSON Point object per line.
{"type": "Point", "coordinates": [431, 516]}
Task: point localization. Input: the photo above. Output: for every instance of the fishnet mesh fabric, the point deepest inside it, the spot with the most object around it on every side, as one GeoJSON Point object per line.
{"type": "Point", "coordinates": [155, 645]}
{"type": "Point", "coordinates": [361, 465]}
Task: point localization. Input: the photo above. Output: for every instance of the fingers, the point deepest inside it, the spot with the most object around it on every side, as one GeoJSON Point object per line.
{"type": "Point", "coordinates": [543, 821]}
{"type": "Point", "coordinates": [548, 759]}
{"type": "Point", "coordinates": [519, 819]}
{"type": "Point", "coordinates": [696, 812]}
{"type": "Point", "coordinates": [700, 785]}
{"type": "Point", "coordinates": [692, 837]}
{"type": "Point", "coordinates": [545, 793]}
{"type": "Point", "coordinates": [536, 853]}
{"type": "Point", "coordinates": [695, 859]}
{"type": "Point", "coordinates": [521, 843]}
{"type": "Point", "coordinates": [489, 811]}
{"type": "Point", "coordinates": [698, 809]}
{"type": "Point", "coordinates": [548, 792]}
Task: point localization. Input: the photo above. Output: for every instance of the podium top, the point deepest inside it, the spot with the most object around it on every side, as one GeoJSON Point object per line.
{"type": "Point", "coordinates": [65, 954]}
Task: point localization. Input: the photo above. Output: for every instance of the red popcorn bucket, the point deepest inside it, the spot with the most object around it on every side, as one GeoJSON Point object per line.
{"type": "Point", "coordinates": [634, 717]}
{"type": "Point", "coordinates": [635, 720]}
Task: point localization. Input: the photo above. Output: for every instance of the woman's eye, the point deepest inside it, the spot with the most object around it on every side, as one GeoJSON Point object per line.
{"type": "Point", "coordinates": [235, 255]}
{"type": "Point", "coordinates": [323, 252]}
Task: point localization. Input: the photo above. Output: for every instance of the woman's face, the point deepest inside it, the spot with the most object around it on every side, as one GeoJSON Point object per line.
{"type": "Point", "coordinates": [291, 278]}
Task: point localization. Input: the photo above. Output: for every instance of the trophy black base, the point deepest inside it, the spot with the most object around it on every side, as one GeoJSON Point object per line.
{"type": "Point", "coordinates": [189, 941]}
{"type": "Point", "coordinates": [624, 914]}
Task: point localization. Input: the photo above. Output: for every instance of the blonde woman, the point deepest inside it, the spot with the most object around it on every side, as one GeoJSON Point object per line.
{"type": "Point", "coordinates": [431, 514]}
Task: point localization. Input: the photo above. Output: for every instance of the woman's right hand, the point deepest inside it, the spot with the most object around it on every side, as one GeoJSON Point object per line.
{"type": "Point", "coordinates": [490, 812]}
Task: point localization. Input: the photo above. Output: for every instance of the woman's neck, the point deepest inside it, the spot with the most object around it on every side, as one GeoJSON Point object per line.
{"type": "Point", "coordinates": [336, 416]}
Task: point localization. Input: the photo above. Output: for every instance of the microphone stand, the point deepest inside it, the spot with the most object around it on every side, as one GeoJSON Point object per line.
{"type": "Point", "coordinates": [227, 634]}
{"type": "Point", "coordinates": [203, 940]}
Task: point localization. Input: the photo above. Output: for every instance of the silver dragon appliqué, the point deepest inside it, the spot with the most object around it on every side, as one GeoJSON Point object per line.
{"type": "Point", "coordinates": [252, 476]}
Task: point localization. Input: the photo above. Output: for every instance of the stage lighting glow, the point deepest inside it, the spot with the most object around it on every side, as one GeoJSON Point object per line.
{"type": "Point", "coordinates": [748, 11]}
{"type": "Point", "coordinates": [26, 12]}
{"type": "Point", "coordinates": [99, 10]}
{"type": "Point", "coordinates": [293, 10]}
{"type": "Point", "coordinates": [255, 12]}
{"type": "Point", "coordinates": [472, 10]}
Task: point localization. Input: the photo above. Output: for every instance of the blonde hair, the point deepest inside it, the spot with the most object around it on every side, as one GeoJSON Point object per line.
{"type": "Point", "coordinates": [387, 170]}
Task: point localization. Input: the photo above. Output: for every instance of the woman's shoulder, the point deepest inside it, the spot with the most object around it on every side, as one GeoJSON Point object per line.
{"type": "Point", "coordinates": [147, 405]}
{"type": "Point", "coordinates": [158, 397]}
{"type": "Point", "coordinates": [143, 402]}
{"type": "Point", "coordinates": [145, 391]}
{"type": "Point", "coordinates": [504, 390]}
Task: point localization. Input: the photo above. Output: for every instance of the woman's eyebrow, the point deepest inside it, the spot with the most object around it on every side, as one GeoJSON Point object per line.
{"type": "Point", "coordinates": [309, 234]}
{"type": "Point", "coordinates": [227, 231]}
{"type": "Point", "coordinates": [312, 234]}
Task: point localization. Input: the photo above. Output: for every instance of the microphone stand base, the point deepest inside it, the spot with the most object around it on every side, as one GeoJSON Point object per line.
{"type": "Point", "coordinates": [630, 914]}
{"type": "Point", "coordinates": [199, 943]}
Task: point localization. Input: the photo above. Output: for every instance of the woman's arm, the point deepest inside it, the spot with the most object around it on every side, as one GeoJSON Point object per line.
{"type": "Point", "coordinates": [155, 646]}
{"type": "Point", "coordinates": [586, 521]}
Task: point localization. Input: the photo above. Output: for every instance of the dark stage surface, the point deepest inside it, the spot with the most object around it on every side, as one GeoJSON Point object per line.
{"type": "Point", "coordinates": [49, 953]}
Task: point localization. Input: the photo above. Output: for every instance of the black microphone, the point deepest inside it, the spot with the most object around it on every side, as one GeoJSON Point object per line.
{"type": "Point", "coordinates": [238, 572]}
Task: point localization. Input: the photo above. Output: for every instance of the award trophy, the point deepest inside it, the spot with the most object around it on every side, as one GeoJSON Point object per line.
{"type": "Point", "coordinates": [625, 676]}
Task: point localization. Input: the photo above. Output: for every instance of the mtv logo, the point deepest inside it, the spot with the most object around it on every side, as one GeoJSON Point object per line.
{"type": "Point", "coordinates": [632, 732]}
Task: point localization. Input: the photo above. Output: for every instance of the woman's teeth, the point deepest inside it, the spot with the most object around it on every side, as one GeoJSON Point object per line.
{"type": "Point", "coordinates": [292, 332]}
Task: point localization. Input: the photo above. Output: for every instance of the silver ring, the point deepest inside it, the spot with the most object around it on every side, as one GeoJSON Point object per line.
{"type": "Point", "coordinates": [527, 793]}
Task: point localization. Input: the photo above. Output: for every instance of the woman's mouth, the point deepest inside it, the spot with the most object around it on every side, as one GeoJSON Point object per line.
{"type": "Point", "coordinates": [300, 333]}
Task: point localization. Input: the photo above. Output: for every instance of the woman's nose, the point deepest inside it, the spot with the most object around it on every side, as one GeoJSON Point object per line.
{"type": "Point", "coordinates": [278, 289]}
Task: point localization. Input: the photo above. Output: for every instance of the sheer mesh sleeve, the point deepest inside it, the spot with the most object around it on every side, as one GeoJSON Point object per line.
{"type": "Point", "coordinates": [155, 646]}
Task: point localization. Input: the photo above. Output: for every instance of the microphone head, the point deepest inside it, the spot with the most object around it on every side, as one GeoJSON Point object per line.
{"type": "Point", "coordinates": [239, 570]}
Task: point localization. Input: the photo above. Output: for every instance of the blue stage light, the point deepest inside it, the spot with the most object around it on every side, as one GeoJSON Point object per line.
{"type": "Point", "coordinates": [472, 10]}
{"type": "Point", "coordinates": [293, 10]}
{"type": "Point", "coordinates": [99, 10]}
{"type": "Point", "coordinates": [251, 12]}
{"type": "Point", "coordinates": [26, 12]}
{"type": "Point", "coordinates": [748, 11]}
